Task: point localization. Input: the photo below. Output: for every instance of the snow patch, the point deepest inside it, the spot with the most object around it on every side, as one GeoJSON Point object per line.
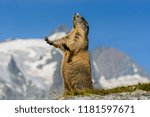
{"type": "Point", "coordinates": [56, 36]}
{"type": "Point", "coordinates": [21, 44]}
{"type": "Point", "coordinates": [18, 89]}
{"type": "Point", "coordinates": [47, 72]}
{"type": "Point", "coordinates": [135, 69]}
{"type": "Point", "coordinates": [95, 66]}
{"type": "Point", "coordinates": [122, 81]}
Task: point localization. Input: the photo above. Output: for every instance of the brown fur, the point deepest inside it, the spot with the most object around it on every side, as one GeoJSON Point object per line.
{"type": "Point", "coordinates": [75, 68]}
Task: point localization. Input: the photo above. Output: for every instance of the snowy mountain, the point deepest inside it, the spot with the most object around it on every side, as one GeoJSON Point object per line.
{"type": "Point", "coordinates": [112, 68]}
{"type": "Point", "coordinates": [30, 68]}
{"type": "Point", "coordinates": [26, 65]}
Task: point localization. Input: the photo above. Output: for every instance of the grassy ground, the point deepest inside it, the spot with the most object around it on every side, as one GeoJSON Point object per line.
{"type": "Point", "coordinates": [144, 87]}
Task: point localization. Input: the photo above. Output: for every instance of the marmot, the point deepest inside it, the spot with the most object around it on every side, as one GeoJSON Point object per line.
{"type": "Point", "coordinates": [75, 68]}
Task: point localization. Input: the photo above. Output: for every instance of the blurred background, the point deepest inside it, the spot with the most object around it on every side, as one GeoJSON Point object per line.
{"type": "Point", "coordinates": [122, 24]}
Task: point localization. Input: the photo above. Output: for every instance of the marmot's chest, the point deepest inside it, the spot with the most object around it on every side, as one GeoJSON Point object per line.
{"type": "Point", "coordinates": [70, 59]}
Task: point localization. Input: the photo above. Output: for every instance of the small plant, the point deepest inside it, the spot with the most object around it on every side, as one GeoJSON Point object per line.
{"type": "Point", "coordinates": [121, 89]}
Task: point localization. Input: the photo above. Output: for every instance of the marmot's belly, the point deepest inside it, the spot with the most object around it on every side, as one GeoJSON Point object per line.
{"type": "Point", "coordinates": [77, 75]}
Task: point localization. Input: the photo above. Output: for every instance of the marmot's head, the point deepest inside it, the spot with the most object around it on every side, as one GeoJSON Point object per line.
{"type": "Point", "coordinates": [80, 21]}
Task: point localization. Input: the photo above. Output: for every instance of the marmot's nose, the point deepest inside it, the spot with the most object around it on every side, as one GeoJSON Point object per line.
{"type": "Point", "coordinates": [76, 14]}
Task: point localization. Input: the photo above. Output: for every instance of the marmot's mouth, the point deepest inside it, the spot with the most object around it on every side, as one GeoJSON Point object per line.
{"type": "Point", "coordinates": [78, 19]}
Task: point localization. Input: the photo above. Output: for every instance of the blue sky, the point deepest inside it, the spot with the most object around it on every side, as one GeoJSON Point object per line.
{"type": "Point", "coordinates": [122, 24]}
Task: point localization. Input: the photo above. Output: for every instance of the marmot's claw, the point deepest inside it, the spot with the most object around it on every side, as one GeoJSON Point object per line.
{"type": "Point", "coordinates": [46, 39]}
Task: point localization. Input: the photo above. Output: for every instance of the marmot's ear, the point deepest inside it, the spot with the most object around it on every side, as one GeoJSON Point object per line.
{"type": "Point", "coordinates": [87, 30]}
{"type": "Point", "coordinates": [86, 25]}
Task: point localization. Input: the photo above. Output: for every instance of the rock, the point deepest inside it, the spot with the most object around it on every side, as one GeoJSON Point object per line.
{"type": "Point", "coordinates": [136, 95]}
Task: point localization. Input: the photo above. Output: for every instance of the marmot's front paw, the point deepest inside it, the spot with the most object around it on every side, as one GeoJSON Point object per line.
{"type": "Point", "coordinates": [48, 41]}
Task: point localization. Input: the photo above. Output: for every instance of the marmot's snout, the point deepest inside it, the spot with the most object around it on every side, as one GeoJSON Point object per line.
{"type": "Point", "coordinates": [76, 18]}
{"type": "Point", "coordinates": [79, 20]}
{"type": "Point", "coordinates": [76, 15]}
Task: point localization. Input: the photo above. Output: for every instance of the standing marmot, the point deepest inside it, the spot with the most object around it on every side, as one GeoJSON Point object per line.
{"type": "Point", "coordinates": [76, 69]}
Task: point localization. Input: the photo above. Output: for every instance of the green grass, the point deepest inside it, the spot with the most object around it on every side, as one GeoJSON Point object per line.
{"type": "Point", "coordinates": [144, 87]}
